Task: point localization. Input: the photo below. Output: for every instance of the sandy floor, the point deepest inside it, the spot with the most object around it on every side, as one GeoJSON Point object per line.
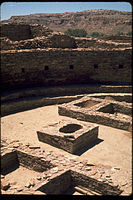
{"type": "Point", "coordinates": [21, 176]}
{"type": "Point", "coordinates": [114, 147]}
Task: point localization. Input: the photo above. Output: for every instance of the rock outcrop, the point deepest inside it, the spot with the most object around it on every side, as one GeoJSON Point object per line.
{"type": "Point", "coordinates": [103, 21]}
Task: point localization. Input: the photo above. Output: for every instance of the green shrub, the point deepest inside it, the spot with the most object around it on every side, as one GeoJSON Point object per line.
{"type": "Point", "coordinates": [130, 33]}
{"type": "Point", "coordinates": [119, 33]}
{"type": "Point", "coordinates": [96, 34]}
{"type": "Point", "coordinates": [76, 32]}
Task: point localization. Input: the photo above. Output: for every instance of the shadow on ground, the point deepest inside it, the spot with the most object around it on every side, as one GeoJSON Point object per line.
{"type": "Point", "coordinates": [86, 148]}
{"type": "Point", "coordinates": [9, 170]}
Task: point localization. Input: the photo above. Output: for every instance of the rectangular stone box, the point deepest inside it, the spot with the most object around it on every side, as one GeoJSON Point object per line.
{"type": "Point", "coordinates": [69, 135]}
{"type": "Point", "coordinates": [28, 166]}
{"type": "Point", "coordinates": [101, 111]}
{"type": "Point", "coordinates": [12, 159]}
{"type": "Point", "coordinates": [68, 181]}
{"type": "Point", "coordinates": [87, 104]}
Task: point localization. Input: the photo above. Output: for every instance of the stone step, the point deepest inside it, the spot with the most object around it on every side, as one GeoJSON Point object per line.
{"type": "Point", "coordinates": [85, 191]}
{"type": "Point", "coordinates": [80, 190]}
{"type": "Point", "coordinates": [77, 193]}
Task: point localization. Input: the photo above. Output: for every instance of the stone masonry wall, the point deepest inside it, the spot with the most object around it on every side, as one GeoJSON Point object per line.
{"type": "Point", "coordinates": [56, 141]}
{"type": "Point", "coordinates": [16, 31]}
{"type": "Point", "coordinates": [26, 68]}
{"type": "Point", "coordinates": [85, 140]}
{"type": "Point", "coordinates": [33, 162]}
{"type": "Point", "coordinates": [21, 31]}
{"type": "Point", "coordinates": [97, 186]}
{"type": "Point", "coordinates": [98, 113]}
{"type": "Point", "coordinates": [67, 172]}
{"type": "Point", "coordinates": [57, 185]}
{"type": "Point", "coordinates": [8, 160]}
{"type": "Point", "coordinates": [27, 36]}
{"type": "Point", "coordinates": [122, 109]}
{"type": "Point", "coordinates": [100, 43]}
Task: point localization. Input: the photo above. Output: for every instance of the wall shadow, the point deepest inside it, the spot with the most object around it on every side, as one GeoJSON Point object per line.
{"type": "Point", "coordinates": [10, 169]}
{"type": "Point", "coordinates": [87, 147]}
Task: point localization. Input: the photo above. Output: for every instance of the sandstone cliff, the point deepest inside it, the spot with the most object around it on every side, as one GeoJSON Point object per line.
{"type": "Point", "coordinates": [103, 21]}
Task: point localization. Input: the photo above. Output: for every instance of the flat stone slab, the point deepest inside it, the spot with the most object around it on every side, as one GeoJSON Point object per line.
{"type": "Point", "coordinates": [69, 135]}
{"type": "Point", "coordinates": [101, 111]}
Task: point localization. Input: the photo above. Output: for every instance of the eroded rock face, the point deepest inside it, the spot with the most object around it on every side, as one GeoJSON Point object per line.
{"type": "Point", "coordinates": [104, 21]}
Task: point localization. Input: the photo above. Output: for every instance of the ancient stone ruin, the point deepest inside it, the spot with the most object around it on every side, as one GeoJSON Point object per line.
{"type": "Point", "coordinates": [62, 179]}
{"type": "Point", "coordinates": [89, 82]}
{"type": "Point", "coordinates": [57, 59]}
{"type": "Point", "coordinates": [106, 112]}
{"type": "Point", "coordinates": [68, 136]}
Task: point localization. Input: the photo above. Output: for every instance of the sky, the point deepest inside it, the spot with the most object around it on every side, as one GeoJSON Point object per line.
{"type": "Point", "coordinates": [9, 9]}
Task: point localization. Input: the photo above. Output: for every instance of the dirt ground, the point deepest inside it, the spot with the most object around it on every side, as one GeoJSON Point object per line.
{"type": "Point", "coordinates": [114, 146]}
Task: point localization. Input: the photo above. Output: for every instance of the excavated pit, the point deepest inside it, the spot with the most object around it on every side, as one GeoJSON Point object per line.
{"type": "Point", "coordinates": [71, 182]}
{"type": "Point", "coordinates": [22, 169]}
{"type": "Point", "coordinates": [70, 128]}
{"type": "Point", "coordinates": [87, 104]}
{"type": "Point", "coordinates": [107, 112]}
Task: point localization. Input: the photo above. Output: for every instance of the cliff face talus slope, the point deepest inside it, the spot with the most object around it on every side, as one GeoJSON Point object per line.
{"type": "Point", "coordinates": [103, 21]}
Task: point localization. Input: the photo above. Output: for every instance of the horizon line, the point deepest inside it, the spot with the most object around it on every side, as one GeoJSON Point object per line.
{"type": "Point", "coordinates": [67, 12]}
